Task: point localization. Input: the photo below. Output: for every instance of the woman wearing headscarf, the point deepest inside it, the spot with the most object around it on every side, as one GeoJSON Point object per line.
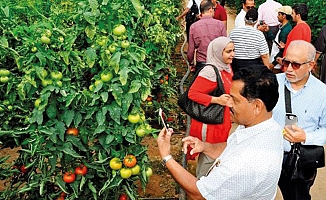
{"type": "Point", "coordinates": [220, 53]}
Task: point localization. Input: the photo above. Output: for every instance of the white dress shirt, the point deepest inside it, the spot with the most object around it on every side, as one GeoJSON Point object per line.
{"type": "Point", "coordinates": [240, 19]}
{"type": "Point", "coordinates": [267, 12]}
{"type": "Point", "coordinates": [249, 167]}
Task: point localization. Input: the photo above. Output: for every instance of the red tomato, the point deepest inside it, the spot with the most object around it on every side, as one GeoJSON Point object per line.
{"type": "Point", "coordinates": [166, 77]}
{"type": "Point", "coordinates": [81, 170]}
{"type": "Point", "coordinates": [130, 161]}
{"type": "Point", "coordinates": [123, 197]}
{"type": "Point", "coordinates": [60, 198]}
{"type": "Point", "coordinates": [69, 177]}
{"type": "Point", "coordinates": [23, 169]}
{"type": "Point", "coordinates": [63, 194]}
{"type": "Point", "coordinates": [72, 131]}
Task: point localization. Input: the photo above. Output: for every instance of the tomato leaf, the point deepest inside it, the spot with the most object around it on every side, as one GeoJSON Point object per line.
{"type": "Point", "coordinates": [135, 85]}
{"type": "Point", "coordinates": [105, 96]}
{"type": "Point", "coordinates": [76, 142]}
{"type": "Point", "coordinates": [77, 119]}
{"type": "Point", "coordinates": [51, 111]}
{"type": "Point", "coordinates": [68, 116]}
{"type": "Point", "coordinates": [100, 129]}
{"type": "Point", "coordinates": [60, 129]}
{"type": "Point", "coordinates": [65, 56]}
{"type": "Point", "coordinates": [68, 149]}
{"type": "Point", "coordinates": [90, 31]}
{"type": "Point", "coordinates": [100, 118]}
{"type": "Point", "coordinates": [138, 7]}
{"type": "Point", "coordinates": [124, 75]}
{"type": "Point", "coordinates": [82, 183]}
{"type": "Point", "coordinates": [62, 185]}
{"type": "Point", "coordinates": [115, 112]}
{"type": "Point", "coordinates": [90, 54]}
{"type": "Point", "coordinates": [114, 61]}
{"type": "Point", "coordinates": [92, 188]}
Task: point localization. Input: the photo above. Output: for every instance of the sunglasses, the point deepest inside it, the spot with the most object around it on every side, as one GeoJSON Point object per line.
{"type": "Point", "coordinates": [295, 65]}
{"type": "Point", "coordinates": [250, 7]}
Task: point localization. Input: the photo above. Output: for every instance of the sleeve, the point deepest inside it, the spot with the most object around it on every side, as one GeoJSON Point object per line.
{"type": "Point", "coordinates": [263, 47]}
{"type": "Point", "coordinates": [200, 94]}
{"type": "Point", "coordinates": [189, 4]}
{"type": "Point", "coordinates": [191, 45]}
{"type": "Point", "coordinates": [321, 41]}
{"type": "Point", "coordinates": [223, 14]}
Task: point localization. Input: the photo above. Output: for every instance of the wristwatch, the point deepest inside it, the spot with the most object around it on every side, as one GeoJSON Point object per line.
{"type": "Point", "coordinates": [165, 159]}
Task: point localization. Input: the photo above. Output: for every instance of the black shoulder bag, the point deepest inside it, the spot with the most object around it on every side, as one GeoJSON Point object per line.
{"type": "Point", "coordinates": [212, 114]}
{"type": "Point", "coordinates": [301, 156]}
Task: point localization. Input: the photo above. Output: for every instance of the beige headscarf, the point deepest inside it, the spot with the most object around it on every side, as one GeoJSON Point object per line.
{"type": "Point", "coordinates": [215, 51]}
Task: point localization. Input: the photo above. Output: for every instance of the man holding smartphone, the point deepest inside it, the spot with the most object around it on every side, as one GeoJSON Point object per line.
{"type": "Point", "coordinates": [308, 103]}
{"type": "Point", "coordinates": [284, 17]}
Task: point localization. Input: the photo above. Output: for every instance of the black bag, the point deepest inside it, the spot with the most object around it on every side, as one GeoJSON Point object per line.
{"type": "Point", "coordinates": [212, 114]}
{"type": "Point", "coordinates": [191, 17]}
{"type": "Point", "coordinates": [303, 157]}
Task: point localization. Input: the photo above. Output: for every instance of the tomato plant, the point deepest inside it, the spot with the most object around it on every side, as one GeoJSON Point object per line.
{"type": "Point", "coordinates": [52, 55]}
{"type": "Point", "coordinates": [130, 161]}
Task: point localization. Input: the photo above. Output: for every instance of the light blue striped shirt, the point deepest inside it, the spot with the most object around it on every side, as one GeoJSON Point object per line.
{"type": "Point", "coordinates": [309, 104]}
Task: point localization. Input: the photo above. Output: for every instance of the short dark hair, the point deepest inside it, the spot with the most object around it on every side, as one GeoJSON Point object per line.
{"type": "Point", "coordinates": [288, 17]}
{"type": "Point", "coordinates": [252, 15]}
{"type": "Point", "coordinates": [302, 9]}
{"type": "Point", "coordinates": [205, 6]}
{"type": "Point", "coordinates": [259, 83]}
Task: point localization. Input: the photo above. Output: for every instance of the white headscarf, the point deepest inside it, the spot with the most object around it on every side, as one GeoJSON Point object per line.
{"type": "Point", "coordinates": [215, 53]}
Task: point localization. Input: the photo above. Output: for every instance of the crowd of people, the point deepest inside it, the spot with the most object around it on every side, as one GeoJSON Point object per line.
{"type": "Point", "coordinates": [261, 58]}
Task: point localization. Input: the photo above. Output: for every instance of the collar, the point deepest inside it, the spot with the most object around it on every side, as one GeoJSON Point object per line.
{"type": "Point", "coordinates": [241, 134]}
{"type": "Point", "coordinates": [288, 84]}
{"type": "Point", "coordinates": [206, 17]}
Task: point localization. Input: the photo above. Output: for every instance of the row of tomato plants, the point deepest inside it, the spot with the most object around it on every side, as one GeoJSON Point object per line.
{"type": "Point", "coordinates": [80, 81]}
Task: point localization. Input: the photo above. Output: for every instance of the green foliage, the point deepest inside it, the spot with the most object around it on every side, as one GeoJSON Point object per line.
{"type": "Point", "coordinates": [55, 52]}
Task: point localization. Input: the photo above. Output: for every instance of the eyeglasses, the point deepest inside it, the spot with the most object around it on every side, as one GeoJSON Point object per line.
{"type": "Point", "coordinates": [250, 7]}
{"type": "Point", "coordinates": [295, 65]}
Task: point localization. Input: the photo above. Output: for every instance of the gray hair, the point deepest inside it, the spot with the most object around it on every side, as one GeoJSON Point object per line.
{"type": "Point", "coordinates": [311, 50]}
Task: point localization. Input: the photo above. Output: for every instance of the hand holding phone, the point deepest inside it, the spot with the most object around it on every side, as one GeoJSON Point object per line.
{"type": "Point", "coordinates": [160, 112]}
{"type": "Point", "coordinates": [290, 119]}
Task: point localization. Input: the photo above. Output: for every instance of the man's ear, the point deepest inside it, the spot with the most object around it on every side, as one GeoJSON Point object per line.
{"type": "Point", "coordinates": [258, 106]}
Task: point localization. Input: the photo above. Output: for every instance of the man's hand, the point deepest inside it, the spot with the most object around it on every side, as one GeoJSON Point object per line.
{"type": "Point", "coordinates": [294, 134]}
{"type": "Point", "coordinates": [163, 142]}
{"type": "Point", "coordinates": [279, 60]}
{"type": "Point", "coordinates": [196, 145]}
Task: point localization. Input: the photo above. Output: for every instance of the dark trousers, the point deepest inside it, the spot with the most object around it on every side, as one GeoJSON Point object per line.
{"type": "Point", "coordinates": [297, 189]}
{"type": "Point", "coordinates": [241, 63]}
{"type": "Point", "coordinates": [199, 65]}
{"type": "Point", "coordinates": [270, 36]}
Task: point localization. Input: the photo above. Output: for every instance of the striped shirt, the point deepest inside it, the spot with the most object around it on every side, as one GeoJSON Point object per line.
{"type": "Point", "coordinates": [249, 43]}
{"type": "Point", "coordinates": [309, 104]}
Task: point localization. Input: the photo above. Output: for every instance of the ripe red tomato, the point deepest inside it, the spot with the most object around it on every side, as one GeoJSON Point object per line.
{"type": "Point", "coordinates": [123, 197]}
{"type": "Point", "coordinates": [72, 131]}
{"type": "Point", "coordinates": [167, 77]}
{"type": "Point", "coordinates": [69, 177]}
{"type": "Point", "coordinates": [60, 198]}
{"type": "Point", "coordinates": [161, 81]}
{"type": "Point", "coordinates": [81, 170]}
{"type": "Point", "coordinates": [130, 161]}
{"type": "Point", "coordinates": [63, 194]}
{"type": "Point", "coordinates": [23, 169]}
{"type": "Point", "coordinates": [149, 98]}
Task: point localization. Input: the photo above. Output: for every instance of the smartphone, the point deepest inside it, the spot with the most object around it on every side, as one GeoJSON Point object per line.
{"type": "Point", "coordinates": [160, 113]}
{"type": "Point", "coordinates": [278, 44]}
{"type": "Point", "coordinates": [261, 22]}
{"type": "Point", "coordinates": [290, 119]}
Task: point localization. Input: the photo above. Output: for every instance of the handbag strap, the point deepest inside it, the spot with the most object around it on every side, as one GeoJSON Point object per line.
{"type": "Point", "coordinates": [287, 96]}
{"type": "Point", "coordinates": [218, 78]}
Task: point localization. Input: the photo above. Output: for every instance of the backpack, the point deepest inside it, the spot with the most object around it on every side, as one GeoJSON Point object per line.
{"type": "Point", "coordinates": [191, 16]}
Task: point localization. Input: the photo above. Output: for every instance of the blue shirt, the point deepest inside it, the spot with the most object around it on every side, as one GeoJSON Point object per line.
{"type": "Point", "coordinates": [309, 104]}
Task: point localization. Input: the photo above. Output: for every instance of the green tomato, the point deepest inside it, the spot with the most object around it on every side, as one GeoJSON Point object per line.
{"type": "Point", "coordinates": [37, 103]}
{"type": "Point", "coordinates": [125, 44]}
{"type": "Point", "coordinates": [91, 88]}
{"type": "Point", "coordinates": [106, 77]}
{"type": "Point", "coordinates": [34, 49]}
{"type": "Point", "coordinates": [98, 82]}
{"type": "Point", "coordinates": [45, 40]}
{"type": "Point", "coordinates": [149, 172]}
{"type": "Point", "coordinates": [135, 170]}
{"type": "Point", "coordinates": [59, 83]}
{"type": "Point", "coordinates": [6, 102]}
{"type": "Point", "coordinates": [112, 48]}
{"type": "Point", "coordinates": [125, 173]}
{"type": "Point", "coordinates": [134, 118]}
{"type": "Point", "coordinates": [4, 79]}
{"type": "Point", "coordinates": [43, 74]}
{"type": "Point", "coordinates": [56, 75]}
{"type": "Point", "coordinates": [4, 72]}
{"type": "Point", "coordinates": [46, 82]}
{"type": "Point", "coordinates": [10, 107]}
{"type": "Point", "coordinates": [48, 33]}
{"type": "Point", "coordinates": [1, 109]}
{"type": "Point", "coordinates": [61, 39]}
{"type": "Point", "coordinates": [119, 30]}
{"type": "Point", "coordinates": [140, 131]}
